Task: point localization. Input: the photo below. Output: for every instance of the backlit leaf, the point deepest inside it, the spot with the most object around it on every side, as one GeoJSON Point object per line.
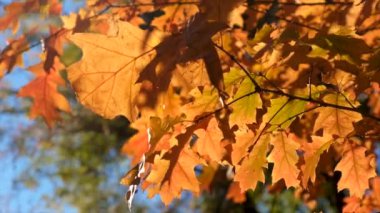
{"type": "Point", "coordinates": [336, 121]}
{"type": "Point", "coordinates": [104, 79]}
{"type": "Point", "coordinates": [244, 111]}
{"type": "Point", "coordinates": [284, 156]}
{"type": "Point", "coordinates": [312, 154]}
{"type": "Point", "coordinates": [356, 169]}
{"type": "Point", "coordinates": [251, 170]}
{"type": "Point", "coordinates": [47, 101]}
{"type": "Point", "coordinates": [209, 143]}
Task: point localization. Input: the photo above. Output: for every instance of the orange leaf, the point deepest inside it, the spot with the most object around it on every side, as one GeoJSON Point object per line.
{"type": "Point", "coordinates": [104, 79]}
{"type": "Point", "coordinates": [284, 156]}
{"type": "Point", "coordinates": [312, 153]}
{"type": "Point", "coordinates": [11, 55]}
{"type": "Point", "coordinates": [336, 121]}
{"type": "Point", "coordinates": [47, 101]}
{"type": "Point", "coordinates": [234, 193]}
{"type": "Point", "coordinates": [356, 169]}
{"type": "Point", "coordinates": [171, 177]}
{"type": "Point", "coordinates": [251, 169]}
{"type": "Point", "coordinates": [239, 149]}
{"type": "Point", "coordinates": [136, 146]}
{"type": "Point", "coordinates": [209, 142]}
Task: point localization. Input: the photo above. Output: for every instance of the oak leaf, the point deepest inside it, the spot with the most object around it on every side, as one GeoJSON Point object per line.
{"type": "Point", "coordinates": [250, 172]}
{"type": "Point", "coordinates": [206, 100]}
{"type": "Point", "coordinates": [283, 112]}
{"type": "Point", "coordinates": [170, 177]}
{"type": "Point", "coordinates": [336, 121]}
{"type": "Point", "coordinates": [312, 154]}
{"type": "Point", "coordinates": [284, 156]}
{"type": "Point", "coordinates": [209, 142]}
{"type": "Point", "coordinates": [47, 101]}
{"type": "Point", "coordinates": [244, 139]}
{"type": "Point", "coordinates": [104, 79]}
{"type": "Point", "coordinates": [244, 110]}
{"type": "Point", "coordinates": [355, 168]}
{"type": "Point", "coordinates": [11, 55]}
{"type": "Point", "coordinates": [137, 146]}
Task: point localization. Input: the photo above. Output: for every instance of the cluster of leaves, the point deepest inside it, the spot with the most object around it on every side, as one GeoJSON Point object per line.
{"type": "Point", "coordinates": [220, 84]}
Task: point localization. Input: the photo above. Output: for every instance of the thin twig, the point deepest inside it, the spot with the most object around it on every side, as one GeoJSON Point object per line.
{"type": "Point", "coordinates": [232, 57]}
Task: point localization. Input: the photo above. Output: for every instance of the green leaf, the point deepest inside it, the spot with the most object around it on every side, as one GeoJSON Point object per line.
{"type": "Point", "coordinates": [71, 54]}
{"type": "Point", "coordinates": [283, 112]}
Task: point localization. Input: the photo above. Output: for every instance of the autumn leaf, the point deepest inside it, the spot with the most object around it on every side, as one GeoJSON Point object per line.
{"type": "Point", "coordinates": [181, 177]}
{"type": "Point", "coordinates": [244, 139]}
{"type": "Point", "coordinates": [235, 194]}
{"type": "Point", "coordinates": [283, 112]}
{"type": "Point", "coordinates": [250, 172]}
{"type": "Point", "coordinates": [336, 121]}
{"type": "Point", "coordinates": [337, 45]}
{"type": "Point", "coordinates": [207, 176]}
{"type": "Point", "coordinates": [354, 204]}
{"type": "Point", "coordinates": [11, 55]}
{"type": "Point", "coordinates": [137, 146]}
{"type": "Point", "coordinates": [102, 80]}
{"type": "Point", "coordinates": [204, 101]}
{"type": "Point", "coordinates": [47, 101]}
{"type": "Point", "coordinates": [244, 111]}
{"type": "Point", "coordinates": [312, 154]}
{"type": "Point", "coordinates": [209, 143]}
{"type": "Point", "coordinates": [355, 168]}
{"type": "Point", "coordinates": [284, 156]}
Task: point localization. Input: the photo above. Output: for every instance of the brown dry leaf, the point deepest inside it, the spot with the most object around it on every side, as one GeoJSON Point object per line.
{"type": "Point", "coordinates": [335, 121]}
{"type": "Point", "coordinates": [251, 170]}
{"type": "Point", "coordinates": [356, 169]}
{"type": "Point", "coordinates": [105, 78]}
{"type": "Point", "coordinates": [284, 156]}
{"type": "Point", "coordinates": [47, 101]}
{"type": "Point", "coordinates": [312, 154]}
{"type": "Point", "coordinates": [209, 142]}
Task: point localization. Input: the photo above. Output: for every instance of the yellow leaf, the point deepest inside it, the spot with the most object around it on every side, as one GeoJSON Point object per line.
{"type": "Point", "coordinates": [244, 110]}
{"type": "Point", "coordinates": [204, 101]}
